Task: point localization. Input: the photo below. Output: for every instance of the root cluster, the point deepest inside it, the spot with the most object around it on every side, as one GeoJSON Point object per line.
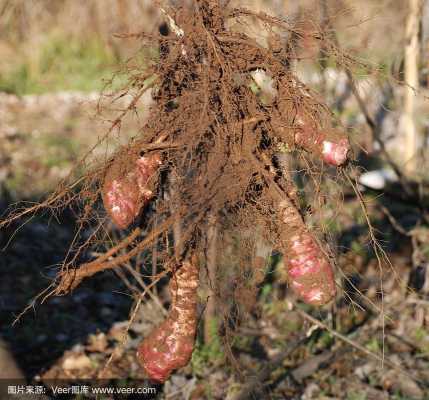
{"type": "Point", "coordinates": [210, 151]}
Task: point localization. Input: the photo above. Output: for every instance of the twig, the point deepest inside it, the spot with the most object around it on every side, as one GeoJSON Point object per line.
{"type": "Point", "coordinates": [376, 135]}
{"type": "Point", "coordinates": [314, 363]}
{"type": "Point", "coordinates": [394, 222]}
{"type": "Point", "coordinates": [356, 345]}
{"type": "Point", "coordinates": [260, 379]}
{"type": "Point", "coordinates": [407, 342]}
{"type": "Point", "coordinates": [178, 31]}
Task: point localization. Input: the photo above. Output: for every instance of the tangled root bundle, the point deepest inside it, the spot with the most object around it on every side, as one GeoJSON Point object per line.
{"type": "Point", "coordinates": [226, 139]}
{"type": "Point", "coordinates": [209, 151]}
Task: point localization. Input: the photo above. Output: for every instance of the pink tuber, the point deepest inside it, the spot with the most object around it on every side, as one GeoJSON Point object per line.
{"type": "Point", "coordinates": [125, 194]}
{"type": "Point", "coordinates": [170, 345]}
{"type": "Point", "coordinates": [309, 271]}
{"type": "Point", "coordinates": [333, 146]}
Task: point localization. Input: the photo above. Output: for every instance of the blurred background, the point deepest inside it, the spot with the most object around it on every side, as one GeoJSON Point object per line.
{"type": "Point", "coordinates": [57, 56]}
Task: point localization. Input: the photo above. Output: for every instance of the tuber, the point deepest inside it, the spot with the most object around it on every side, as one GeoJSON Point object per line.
{"type": "Point", "coordinates": [170, 345]}
{"type": "Point", "coordinates": [304, 123]}
{"type": "Point", "coordinates": [125, 194]}
{"type": "Point", "coordinates": [331, 145]}
{"type": "Point", "coordinates": [309, 270]}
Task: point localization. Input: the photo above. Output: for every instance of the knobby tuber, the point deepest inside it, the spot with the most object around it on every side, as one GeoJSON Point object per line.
{"type": "Point", "coordinates": [307, 127]}
{"type": "Point", "coordinates": [310, 273]}
{"type": "Point", "coordinates": [333, 146]}
{"type": "Point", "coordinates": [170, 345]}
{"type": "Point", "coordinates": [125, 194]}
